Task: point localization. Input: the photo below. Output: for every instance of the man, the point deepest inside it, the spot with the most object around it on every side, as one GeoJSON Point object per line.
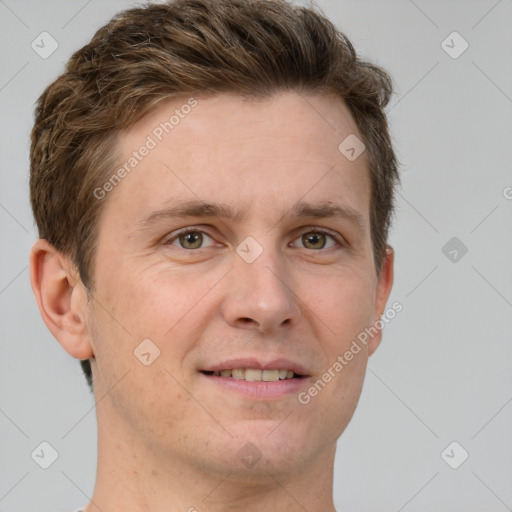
{"type": "Point", "coordinates": [213, 184]}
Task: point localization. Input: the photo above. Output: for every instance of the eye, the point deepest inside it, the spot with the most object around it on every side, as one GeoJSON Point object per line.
{"type": "Point", "coordinates": [318, 239]}
{"type": "Point", "coordinates": [191, 239]}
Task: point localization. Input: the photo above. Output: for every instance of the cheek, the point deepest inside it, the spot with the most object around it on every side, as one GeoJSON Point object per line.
{"type": "Point", "coordinates": [152, 301]}
{"type": "Point", "coordinates": [166, 309]}
{"type": "Point", "coordinates": [335, 392]}
{"type": "Point", "coordinates": [133, 389]}
{"type": "Point", "coordinates": [345, 304]}
{"type": "Point", "coordinates": [345, 308]}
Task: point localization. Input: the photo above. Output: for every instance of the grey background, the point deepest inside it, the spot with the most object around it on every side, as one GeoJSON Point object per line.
{"type": "Point", "coordinates": [443, 372]}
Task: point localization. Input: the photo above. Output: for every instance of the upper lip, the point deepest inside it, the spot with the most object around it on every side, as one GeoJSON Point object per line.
{"type": "Point", "coordinates": [258, 364]}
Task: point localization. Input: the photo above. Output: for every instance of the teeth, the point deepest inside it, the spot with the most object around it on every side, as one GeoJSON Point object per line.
{"type": "Point", "coordinates": [270, 375]}
{"type": "Point", "coordinates": [238, 374]}
{"type": "Point", "coordinates": [254, 375]}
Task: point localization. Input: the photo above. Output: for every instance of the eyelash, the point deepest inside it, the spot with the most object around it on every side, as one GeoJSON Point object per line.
{"type": "Point", "coordinates": [340, 242]}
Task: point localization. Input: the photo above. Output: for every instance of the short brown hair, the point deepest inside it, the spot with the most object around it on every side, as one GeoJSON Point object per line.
{"type": "Point", "coordinates": [145, 55]}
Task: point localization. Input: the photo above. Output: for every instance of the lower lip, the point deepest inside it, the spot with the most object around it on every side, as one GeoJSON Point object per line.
{"type": "Point", "coordinates": [259, 390]}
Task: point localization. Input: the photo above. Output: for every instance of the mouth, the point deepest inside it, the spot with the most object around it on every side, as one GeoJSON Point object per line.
{"type": "Point", "coordinates": [255, 374]}
{"type": "Point", "coordinates": [255, 379]}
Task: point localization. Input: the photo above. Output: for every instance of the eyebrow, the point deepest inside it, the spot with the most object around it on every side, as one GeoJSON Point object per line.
{"type": "Point", "coordinates": [193, 208]}
{"type": "Point", "coordinates": [325, 210]}
{"type": "Point", "coordinates": [302, 209]}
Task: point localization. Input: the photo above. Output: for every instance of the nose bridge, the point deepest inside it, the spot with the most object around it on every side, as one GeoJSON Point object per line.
{"type": "Point", "coordinates": [261, 289]}
{"type": "Point", "coordinates": [263, 267]}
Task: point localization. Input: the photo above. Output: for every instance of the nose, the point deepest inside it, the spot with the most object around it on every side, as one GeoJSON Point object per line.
{"type": "Point", "coordinates": [260, 295]}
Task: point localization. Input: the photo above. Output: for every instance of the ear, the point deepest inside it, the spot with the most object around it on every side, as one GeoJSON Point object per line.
{"type": "Point", "coordinates": [384, 285]}
{"type": "Point", "coordinates": [61, 297]}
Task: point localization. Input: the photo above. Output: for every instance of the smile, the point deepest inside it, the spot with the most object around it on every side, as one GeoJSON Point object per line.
{"type": "Point", "coordinates": [255, 375]}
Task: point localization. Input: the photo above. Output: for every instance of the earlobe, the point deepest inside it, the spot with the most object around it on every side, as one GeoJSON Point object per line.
{"type": "Point", "coordinates": [384, 286]}
{"type": "Point", "coordinates": [61, 299]}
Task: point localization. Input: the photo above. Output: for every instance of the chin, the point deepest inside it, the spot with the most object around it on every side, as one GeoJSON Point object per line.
{"type": "Point", "coordinates": [262, 447]}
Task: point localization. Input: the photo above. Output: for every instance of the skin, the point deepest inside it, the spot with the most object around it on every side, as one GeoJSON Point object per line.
{"type": "Point", "coordinates": [168, 436]}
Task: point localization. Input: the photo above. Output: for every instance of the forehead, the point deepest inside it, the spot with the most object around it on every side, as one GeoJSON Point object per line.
{"type": "Point", "coordinates": [259, 155]}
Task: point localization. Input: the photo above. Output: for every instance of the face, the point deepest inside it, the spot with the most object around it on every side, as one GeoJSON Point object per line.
{"type": "Point", "coordinates": [239, 245]}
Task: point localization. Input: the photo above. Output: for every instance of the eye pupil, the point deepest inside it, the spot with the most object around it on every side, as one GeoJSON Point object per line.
{"type": "Point", "coordinates": [191, 240]}
{"type": "Point", "coordinates": [314, 239]}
